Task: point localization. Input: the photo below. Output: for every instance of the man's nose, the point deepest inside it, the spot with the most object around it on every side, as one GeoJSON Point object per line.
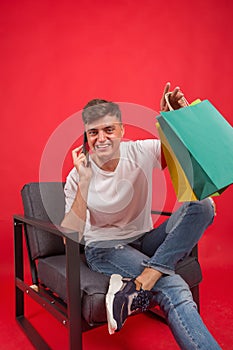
{"type": "Point", "coordinates": [101, 136]}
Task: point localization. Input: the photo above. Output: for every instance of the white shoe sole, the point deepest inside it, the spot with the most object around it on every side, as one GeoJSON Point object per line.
{"type": "Point", "coordinates": [115, 285]}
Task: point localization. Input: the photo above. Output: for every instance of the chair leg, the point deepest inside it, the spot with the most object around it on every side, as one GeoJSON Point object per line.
{"type": "Point", "coordinates": [19, 269]}
{"type": "Point", "coordinates": [74, 295]}
{"type": "Point", "coordinates": [26, 326]}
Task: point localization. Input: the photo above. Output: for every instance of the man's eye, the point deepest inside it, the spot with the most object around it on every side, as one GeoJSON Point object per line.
{"type": "Point", "coordinates": [92, 133]}
{"type": "Point", "coordinates": [109, 130]}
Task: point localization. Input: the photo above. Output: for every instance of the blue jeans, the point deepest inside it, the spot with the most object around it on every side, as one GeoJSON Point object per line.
{"type": "Point", "coordinates": [161, 249]}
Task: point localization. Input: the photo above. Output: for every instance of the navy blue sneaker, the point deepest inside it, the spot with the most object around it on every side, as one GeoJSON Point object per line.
{"type": "Point", "coordinates": [122, 300]}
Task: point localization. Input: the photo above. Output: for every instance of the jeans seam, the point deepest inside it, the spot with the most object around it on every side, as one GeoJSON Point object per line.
{"type": "Point", "coordinates": [180, 321]}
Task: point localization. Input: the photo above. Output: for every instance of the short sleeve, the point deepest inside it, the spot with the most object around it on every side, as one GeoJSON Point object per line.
{"type": "Point", "coordinates": [151, 148]}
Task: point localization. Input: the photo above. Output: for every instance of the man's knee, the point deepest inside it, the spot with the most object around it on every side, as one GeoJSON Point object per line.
{"type": "Point", "coordinates": [206, 209]}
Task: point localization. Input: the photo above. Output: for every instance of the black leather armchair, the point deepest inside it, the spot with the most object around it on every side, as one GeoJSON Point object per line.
{"type": "Point", "coordinates": [62, 283]}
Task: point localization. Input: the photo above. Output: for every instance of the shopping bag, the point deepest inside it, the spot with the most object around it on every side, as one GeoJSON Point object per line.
{"type": "Point", "coordinates": [181, 185]}
{"type": "Point", "coordinates": [202, 141]}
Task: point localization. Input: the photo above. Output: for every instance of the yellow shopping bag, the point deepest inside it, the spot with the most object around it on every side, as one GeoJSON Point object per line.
{"type": "Point", "coordinates": [181, 185]}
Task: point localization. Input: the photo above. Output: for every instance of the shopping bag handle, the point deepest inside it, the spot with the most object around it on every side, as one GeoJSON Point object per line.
{"type": "Point", "coordinates": [166, 96]}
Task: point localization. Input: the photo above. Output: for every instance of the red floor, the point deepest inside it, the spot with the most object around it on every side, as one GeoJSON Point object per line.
{"type": "Point", "coordinates": [140, 332]}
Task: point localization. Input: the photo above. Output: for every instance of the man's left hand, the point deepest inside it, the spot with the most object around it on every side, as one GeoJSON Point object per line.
{"type": "Point", "coordinates": [176, 98]}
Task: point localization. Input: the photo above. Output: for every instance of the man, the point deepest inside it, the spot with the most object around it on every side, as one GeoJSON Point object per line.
{"type": "Point", "coordinates": [108, 200]}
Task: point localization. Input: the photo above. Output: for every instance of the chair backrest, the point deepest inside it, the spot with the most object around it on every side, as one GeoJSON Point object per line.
{"type": "Point", "coordinates": [44, 201]}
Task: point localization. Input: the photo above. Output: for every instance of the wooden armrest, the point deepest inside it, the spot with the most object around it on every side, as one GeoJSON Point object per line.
{"type": "Point", "coordinates": [47, 226]}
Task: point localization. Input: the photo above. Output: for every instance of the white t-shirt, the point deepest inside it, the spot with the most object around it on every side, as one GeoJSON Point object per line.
{"type": "Point", "coordinates": [119, 202]}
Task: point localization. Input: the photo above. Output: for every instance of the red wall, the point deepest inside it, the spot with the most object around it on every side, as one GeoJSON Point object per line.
{"type": "Point", "coordinates": [56, 55]}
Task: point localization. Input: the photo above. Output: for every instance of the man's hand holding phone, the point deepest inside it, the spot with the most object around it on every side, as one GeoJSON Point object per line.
{"type": "Point", "coordinates": [82, 164]}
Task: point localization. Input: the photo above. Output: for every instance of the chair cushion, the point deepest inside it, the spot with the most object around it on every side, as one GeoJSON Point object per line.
{"type": "Point", "coordinates": [94, 285]}
{"type": "Point", "coordinates": [44, 201]}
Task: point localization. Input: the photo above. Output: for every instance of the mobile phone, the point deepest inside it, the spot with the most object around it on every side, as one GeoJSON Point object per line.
{"type": "Point", "coordinates": [86, 147]}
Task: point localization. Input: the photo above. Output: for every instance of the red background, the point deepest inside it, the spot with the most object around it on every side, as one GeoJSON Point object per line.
{"type": "Point", "coordinates": [56, 55]}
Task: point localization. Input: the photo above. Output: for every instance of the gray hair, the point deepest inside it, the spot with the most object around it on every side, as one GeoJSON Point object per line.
{"type": "Point", "coordinates": [98, 108]}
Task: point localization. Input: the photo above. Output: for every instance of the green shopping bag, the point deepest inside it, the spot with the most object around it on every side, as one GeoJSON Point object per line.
{"type": "Point", "coordinates": [202, 141]}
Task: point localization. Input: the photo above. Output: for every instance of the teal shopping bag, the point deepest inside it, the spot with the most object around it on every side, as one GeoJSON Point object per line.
{"type": "Point", "coordinates": [202, 141]}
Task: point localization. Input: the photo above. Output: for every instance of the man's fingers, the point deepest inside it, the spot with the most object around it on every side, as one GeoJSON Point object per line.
{"type": "Point", "coordinates": [79, 158]}
{"type": "Point", "coordinates": [75, 152]}
{"type": "Point", "coordinates": [166, 88]}
{"type": "Point", "coordinates": [182, 102]}
{"type": "Point", "coordinates": [77, 149]}
{"type": "Point", "coordinates": [165, 91]}
{"type": "Point", "coordinates": [176, 98]}
{"type": "Point", "coordinates": [175, 92]}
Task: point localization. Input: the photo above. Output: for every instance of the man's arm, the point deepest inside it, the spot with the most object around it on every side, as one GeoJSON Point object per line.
{"type": "Point", "coordinates": [75, 219]}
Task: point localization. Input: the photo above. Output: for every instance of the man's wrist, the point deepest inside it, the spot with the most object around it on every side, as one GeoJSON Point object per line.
{"type": "Point", "coordinates": [84, 181]}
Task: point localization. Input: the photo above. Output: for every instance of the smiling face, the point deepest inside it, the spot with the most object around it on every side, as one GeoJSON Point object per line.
{"type": "Point", "coordinates": [104, 136]}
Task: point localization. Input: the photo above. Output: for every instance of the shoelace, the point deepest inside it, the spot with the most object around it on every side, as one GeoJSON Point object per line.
{"type": "Point", "coordinates": [141, 301]}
